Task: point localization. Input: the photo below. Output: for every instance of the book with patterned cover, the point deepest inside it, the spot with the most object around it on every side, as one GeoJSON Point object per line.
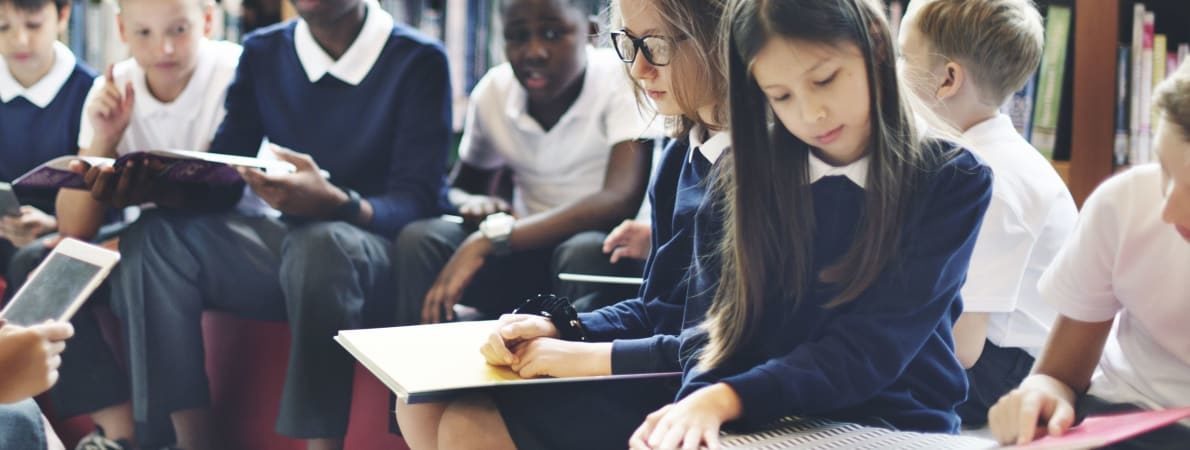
{"type": "Point", "coordinates": [175, 165]}
{"type": "Point", "coordinates": [809, 433]}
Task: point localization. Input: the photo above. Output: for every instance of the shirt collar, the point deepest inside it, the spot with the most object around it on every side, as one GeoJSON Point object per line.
{"type": "Point", "coordinates": [357, 61]}
{"type": "Point", "coordinates": [517, 103]}
{"type": "Point", "coordinates": [713, 148]}
{"type": "Point", "coordinates": [44, 91]}
{"type": "Point", "coordinates": [190, 100]}
{"type": "Point", "coordinates": [857, 171]}
{"type": "Point", "coordinates": [990, 129]}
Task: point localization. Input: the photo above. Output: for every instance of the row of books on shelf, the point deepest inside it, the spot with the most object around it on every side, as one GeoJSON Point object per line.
{"type": "Point", "coordinates": [1140, 67]}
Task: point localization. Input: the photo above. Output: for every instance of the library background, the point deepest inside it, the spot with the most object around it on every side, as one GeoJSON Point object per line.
{"type": "Point", "coordinates": [1082, 110]}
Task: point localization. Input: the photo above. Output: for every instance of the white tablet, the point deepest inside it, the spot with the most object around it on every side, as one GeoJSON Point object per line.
{"type": "Point", "coordinates": [60, 285]}
{"type": "Point", "coordinates": [9, 204]}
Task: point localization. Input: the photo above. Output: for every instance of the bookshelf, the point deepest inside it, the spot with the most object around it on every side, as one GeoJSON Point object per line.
{"type": "Point", "coordinates": [1099, 27]}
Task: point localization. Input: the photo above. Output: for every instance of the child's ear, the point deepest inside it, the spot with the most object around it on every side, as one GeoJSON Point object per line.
{"type": "Point", "coordinates": [953, 78]}
{"type": "Point", "coordinates": [593, 30]}
{"type": "Point", "coordinates": [64, 16]}
{"type": "Point", "coordinates": [208, 18]}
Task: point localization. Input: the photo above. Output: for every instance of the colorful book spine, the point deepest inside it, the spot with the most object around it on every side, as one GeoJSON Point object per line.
{"type": "Point", "coordinates": [1049, 85]}
{"type": "Point", "coordinates": [1146, 90]}
{"type": "Point", "coordinates": [1138, 33]}
{"type": "Point", "coordinates": [1171, 64]}
{"type": "Point", "coordinates": [1019, 108]}
{"type": "Point", "coordinates": [1120, 153]}
{"type": "Point", "coordinates": [1159, 43]}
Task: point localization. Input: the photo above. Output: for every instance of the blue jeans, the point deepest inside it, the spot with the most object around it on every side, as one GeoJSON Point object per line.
{"type": "Point", "coordinates": [21, 427]}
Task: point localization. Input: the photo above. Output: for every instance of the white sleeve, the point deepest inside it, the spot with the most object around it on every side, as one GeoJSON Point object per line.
{"type": "Point", "coordinates": [1078, 282]}
{"type": "Point", "coordinates": [999, 260]}
{"type": "Point", "coordinates": [86, 130]}
{"type": "Point", "coordinates": [474, 148]}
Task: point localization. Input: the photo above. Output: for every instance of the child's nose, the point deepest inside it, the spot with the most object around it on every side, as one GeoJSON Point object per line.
{"type": "Point", "coordinates": [167, 47]}
{"type": "Point", "coordinates": [641, 68]}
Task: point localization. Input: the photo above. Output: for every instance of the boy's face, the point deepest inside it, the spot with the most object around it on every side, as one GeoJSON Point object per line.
{"type": "Point", "coordinates": [1173, 151]}
{"type": "Point", "coordinates": [164, 35]}
{"type": "Point", "coordinates": [324, 11]}
{"type": "Point", "coordinates": [545, 42]}
{"type": "Point", "coordinates": [27, 37]}
{"type": "Point", "coordinates": [819, 93]}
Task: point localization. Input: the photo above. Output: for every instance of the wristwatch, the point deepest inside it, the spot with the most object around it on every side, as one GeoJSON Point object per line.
{"type": "Point", "coordinates": [497, 228]}
{"type": "Point", "coordinates": [348, 212]}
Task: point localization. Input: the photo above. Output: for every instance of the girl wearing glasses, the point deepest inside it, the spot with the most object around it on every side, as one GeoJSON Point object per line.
{"type": "Point", "coordinates": [1128, 257]}
{"type": "Point", "coordinates": [670, 48]}
{"type": "Point", "coordinates": [846, 239]}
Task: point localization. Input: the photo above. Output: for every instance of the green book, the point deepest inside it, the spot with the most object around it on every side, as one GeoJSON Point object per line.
{"type": "Point", "coordinates": [1049, 86]}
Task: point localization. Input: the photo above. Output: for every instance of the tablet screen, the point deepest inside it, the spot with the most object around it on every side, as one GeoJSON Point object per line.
{"type": "Point", "coordinates": [49, 294]}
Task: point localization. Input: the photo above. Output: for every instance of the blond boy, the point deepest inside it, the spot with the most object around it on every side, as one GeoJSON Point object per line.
{"type": "Point", "coordinates": [964, 58]}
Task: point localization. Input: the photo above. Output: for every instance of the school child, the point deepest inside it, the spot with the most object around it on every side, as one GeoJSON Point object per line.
{"type": "Point", "coordinates": [1124, 265]}
{"type": "Point", "coordinates": [963, 59]}
{"type": "Point", "coordinates": [42, 88]}
{"type": "Point", "coordinates": [348, 90]}
{"type": "Point", "coordinates": [559, 119]}
{"type": "Point", "coordinates": [684, 82]}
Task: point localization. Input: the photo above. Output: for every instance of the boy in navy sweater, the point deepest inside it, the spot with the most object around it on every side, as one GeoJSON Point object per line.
{"type": "Point", "coordinates": [359, 96]}
{"type": "Point", "coordinates": [42, 89]}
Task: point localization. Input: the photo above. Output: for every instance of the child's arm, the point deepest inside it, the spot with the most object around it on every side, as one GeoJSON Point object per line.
{"type": "Point", "coordinates": [79, 215]}
{"type": "Point", "coordinates": [106, 115]}
{"type": "Point", "coordinates": [1047, 398]}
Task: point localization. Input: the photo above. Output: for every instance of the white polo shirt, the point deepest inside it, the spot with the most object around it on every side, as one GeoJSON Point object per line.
{"type": "Point", "coordinates": [1123, 259]}
{"type": "Point", "coordinates": [187, 123]}
{"type": "Point", "coordinates": [43, 92]}
{"type": "Point", "coordinates": [1030, 216]}
{"type": "Point", "coordinates": [559, 166]}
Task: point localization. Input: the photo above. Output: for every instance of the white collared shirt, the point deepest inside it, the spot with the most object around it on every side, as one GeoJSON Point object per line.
{"type": "Point", "coordinates": [353, 66]}
{"type": "Point", "coordinates": [857, 171]}
{"type": "Point", "coordinates": [1030, 216]}
{"type": "Point", "coordinates": [567, 162]}
{"type": "Point", "coordinates": [44, 90]}
{"type": "Point", "coordinates": [713, 148]}
{"type": "Point", "coordinates": [1124, 262]}
{"type": "Point", "coordinates": [187, 123]}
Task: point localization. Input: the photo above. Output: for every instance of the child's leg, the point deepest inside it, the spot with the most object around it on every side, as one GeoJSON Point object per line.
{"type": "Point", "coordinates": [196, 430]}
{"type": "Point", "coordinates": [52, 442]}
{"type": "Point", "coordinates": [474, 423]}
{"type": "Point", "coordinates": [419, 423]}
{"type": "Point", "coordinates": [116, 421]}
{"type": "Point", "coordinates": [422, 249]}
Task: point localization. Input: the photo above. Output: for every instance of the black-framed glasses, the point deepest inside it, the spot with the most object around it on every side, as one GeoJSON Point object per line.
{"type": "Point", "coordinates": [658, 50]}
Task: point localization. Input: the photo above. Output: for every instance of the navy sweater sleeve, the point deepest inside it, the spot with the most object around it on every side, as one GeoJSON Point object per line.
{"type": "Point", "coordinates": [417, 170]}
{"type": "Point", "coordinates": [866, 349]}
{"type": "Point", "coordinates": [241, 131]}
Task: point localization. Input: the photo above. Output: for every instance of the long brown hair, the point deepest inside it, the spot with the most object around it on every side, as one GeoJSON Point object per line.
{"type": "Point", "coordinates": [698, 74]}
{"type": "Point", "coordinates": [766, 254]}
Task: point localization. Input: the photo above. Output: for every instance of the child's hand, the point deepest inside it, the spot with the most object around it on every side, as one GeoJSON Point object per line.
{"type": "Point", "coordinates": [510, 331]}
{"type": "Point", "coordinates": [478, 207]}
{"type": "Point", "coordinates": [1040, 399]}
{"type": "Point", "coordinates": [546, 357]}
{"type": "Point", "coordinates": [631, 239]}
{"type": "Point", "coordinates": [133, 184]}
{"type": "Point", "coordinates": [30, 357]}
{"type": "Point", "coordinates": [438, 305]}
{"type": "Point", "coordinates": [23, 229]}
{"type": "Point", "coordinates": [110, 114]}
{"type": "Point", "coordinates": [689, 423]}
{"type": "Point", "coordinates": [304, 193]}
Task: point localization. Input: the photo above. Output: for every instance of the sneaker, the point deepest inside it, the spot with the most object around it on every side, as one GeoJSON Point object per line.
{"type": "Point", "coordinates": [97, 440]}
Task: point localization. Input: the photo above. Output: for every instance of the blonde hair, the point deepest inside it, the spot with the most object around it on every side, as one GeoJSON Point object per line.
{"type": "Point", "coordinates": [1173, 100]}
{"type": "Point", "coordinates": [999, 41]}
{"type": "Point", "coordinates": [698, 70]}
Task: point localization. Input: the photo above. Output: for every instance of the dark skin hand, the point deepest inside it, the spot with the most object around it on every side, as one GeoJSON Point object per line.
{"type": "Point", "coordinates": [136, 183]}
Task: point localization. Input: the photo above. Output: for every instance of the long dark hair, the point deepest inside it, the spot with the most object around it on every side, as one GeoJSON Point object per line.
{"type": "Point", "coordinates": [766, 254]}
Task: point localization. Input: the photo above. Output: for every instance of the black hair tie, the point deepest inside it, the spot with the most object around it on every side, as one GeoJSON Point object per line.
{"type": "Point", "coordinates": [559, 311]}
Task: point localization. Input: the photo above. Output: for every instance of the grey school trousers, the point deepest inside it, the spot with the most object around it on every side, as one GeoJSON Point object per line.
{"type": "Point", "coordinates": [425, 246]}
{"type": "Point", "coordinates": [21, 427]}
{"type": "Point", "coordinates": [320, 277]}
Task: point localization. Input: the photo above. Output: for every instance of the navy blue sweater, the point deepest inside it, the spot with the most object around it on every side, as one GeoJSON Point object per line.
{"type": "Point", "coordinates": [30, 135]}
{"type": "Point", "coordinates": [645, 329]}
{"type": "Point", "coordinates": [386, 138]}
{"type": "Point", "coordinates": [889, 353]}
